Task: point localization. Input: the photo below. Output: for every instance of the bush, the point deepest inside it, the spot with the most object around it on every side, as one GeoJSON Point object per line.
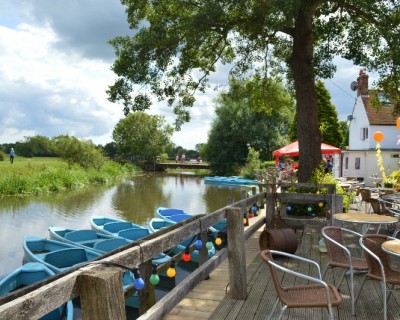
{"type": "Point", "coordinates": [3, 156]}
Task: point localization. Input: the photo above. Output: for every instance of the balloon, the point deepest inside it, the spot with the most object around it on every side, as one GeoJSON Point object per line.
{"type": "Point", "coordinates": [398, 123]}
{"type": "Point", "coordinates": [378, 136]}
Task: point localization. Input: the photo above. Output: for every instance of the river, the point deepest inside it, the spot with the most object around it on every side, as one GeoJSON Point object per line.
{"type": "Point", "coordinates": [133, 199]}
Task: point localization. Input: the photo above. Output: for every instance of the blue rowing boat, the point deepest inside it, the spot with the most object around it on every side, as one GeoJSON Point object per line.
{"type": "Point", "coordinates": [233, 180]}
{"type": "Point", "coordinates": [31, 273]}
{"type": "Point", "coordinates": [87, 238]}
{"type": "Point", "coordinates": [60, 256]}
{"type": "Point", "coordinates": [124, 229]}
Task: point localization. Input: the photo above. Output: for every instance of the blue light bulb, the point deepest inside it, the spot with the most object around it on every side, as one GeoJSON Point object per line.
{"type": "Point", "coordinates": [198, 244]}
{"type": "Point", "coordinates": [138, 282]}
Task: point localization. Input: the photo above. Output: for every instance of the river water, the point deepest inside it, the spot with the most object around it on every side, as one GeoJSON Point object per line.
{"type": "Point", "coordinates": [133, 199]}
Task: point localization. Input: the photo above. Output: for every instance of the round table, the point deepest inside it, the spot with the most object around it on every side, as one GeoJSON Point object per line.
{"type": "Point", "coordinates": [394, 197]}
{"type": "Point", "coordinates": [365, 219]}
{"type": "Point", "coordinates": [392, 247]}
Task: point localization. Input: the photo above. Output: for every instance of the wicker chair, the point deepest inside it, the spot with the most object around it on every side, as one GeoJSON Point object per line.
{"type": "Point", "coordinates": [366, 197]}
{"type": "Point", "coordinates": [379, 266]}
{"type": "Point", "coordinates": [341, 257]}
{"type": "Point", "coordinates": [316, 295]}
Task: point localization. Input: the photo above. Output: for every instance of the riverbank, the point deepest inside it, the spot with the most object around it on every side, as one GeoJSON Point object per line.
{"type": "Point", "coordinates": [46, 175]}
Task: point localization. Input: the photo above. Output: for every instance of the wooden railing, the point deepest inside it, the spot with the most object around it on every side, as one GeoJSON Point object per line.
{"type": "Point", "coordinates": [99, 287]}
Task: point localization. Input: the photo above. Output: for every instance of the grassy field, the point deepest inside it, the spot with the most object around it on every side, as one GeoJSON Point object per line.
{"type": "Point", "coordinates": [46, 175]}
{"type": "Point", "coordinates": [29, 165]}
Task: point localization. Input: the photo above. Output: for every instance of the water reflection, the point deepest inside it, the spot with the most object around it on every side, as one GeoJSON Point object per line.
{"type": "Point", "coordinates": [133, 199]}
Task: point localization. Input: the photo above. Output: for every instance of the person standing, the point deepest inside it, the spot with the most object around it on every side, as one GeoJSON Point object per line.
{"type": "Point", "coordinates": [12, 155]}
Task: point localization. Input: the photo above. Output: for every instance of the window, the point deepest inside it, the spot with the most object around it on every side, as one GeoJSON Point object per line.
{"type": "Point", "coordinates": [364, 133]}
{"type": "Point", "coordinates": [383, 98]}
{"type": "Point", "coordinates": [357, 164]}
{"type": "Point", "coordinates": [346, 163]}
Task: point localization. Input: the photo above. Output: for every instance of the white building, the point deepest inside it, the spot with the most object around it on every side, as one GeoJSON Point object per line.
{"type": "Point", "coordinates": [360, 159]}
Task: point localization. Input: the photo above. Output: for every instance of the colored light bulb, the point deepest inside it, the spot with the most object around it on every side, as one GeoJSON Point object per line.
{"type": "Point", "coordinates": [218, 241]}
{"type": "Point", "coordinates": [309, 209]}
{"type": "Point", "coordinates": [198, 244]}
{"type": "Point", "coordinates": [138, 282]}
{"type": "Point", "coordinates": [289, 208]}
{"type": "Point", "coordinates": [244, 221]}
{"type": "Point", "coordinates": [186, 255]}
{"type": "Point", "coordinates": [171, 272]}
{"type": "Point", "coordinates": [321, 204]}
{"type": "Point", "coordinates": [154, 279]}
{"type": "Point", "coordinates": [209, 245]}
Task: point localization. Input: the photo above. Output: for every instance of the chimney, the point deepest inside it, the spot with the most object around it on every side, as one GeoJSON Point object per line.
{"type": "Point", "coordinates": [362, 84]}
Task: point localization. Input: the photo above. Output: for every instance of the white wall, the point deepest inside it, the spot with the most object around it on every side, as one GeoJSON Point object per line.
{"type": "Point", "coordinates": [368, 164]}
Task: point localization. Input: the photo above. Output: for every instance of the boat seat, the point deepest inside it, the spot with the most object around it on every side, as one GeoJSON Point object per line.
{"type": "Point", "coordinates": [171, 212]}
{"type": "Point", "coordinates": [81, 235]}
{"type": "Point", "coordinates": [109, 244]}
{"type": "Point", "coordinates": [65, 258]}
{"type": "Point", "coordinates": [134, 233]}
{"type": "Point", "coordinates": [114, 227]}
{"type": "Point", "coordinates": [180, 217]}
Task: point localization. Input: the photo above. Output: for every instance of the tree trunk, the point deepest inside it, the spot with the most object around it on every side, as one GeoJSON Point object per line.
{"type": "Point", "coordinates": [300, 62]}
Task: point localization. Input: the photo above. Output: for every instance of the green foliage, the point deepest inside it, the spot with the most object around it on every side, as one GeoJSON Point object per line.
{"type": "Point", "coordinates": [253, 163]}
{"type": "Point", "coordinates": [242, 123]}
{"type": "Point", "coordinates": [3, 156]}
{"type": "Point", "coordinates": [75, 151]}
{"type": "Point", "coordinates": [320, 177]}
{"type": "Point", "coordinates": [55, 177]}
{"type": "Point", "coordinates": [142, 135]}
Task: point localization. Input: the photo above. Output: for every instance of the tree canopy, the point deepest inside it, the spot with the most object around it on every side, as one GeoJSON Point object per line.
{"type": "Point", "coordinates": [142, 135]}
{"type": "Point", "coordinates": [242, 122]}
{"type": "Point", "coordinates": [178, 44]}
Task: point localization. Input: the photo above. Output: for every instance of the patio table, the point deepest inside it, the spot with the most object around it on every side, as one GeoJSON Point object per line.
{"type": "Point", "coordinates": [392, 247]}
{"type": "Point", "coordinates": [365, 219]}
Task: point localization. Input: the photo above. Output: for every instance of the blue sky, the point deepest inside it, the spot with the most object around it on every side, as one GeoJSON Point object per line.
{"type": "Point", "coordinates": [55, 68]}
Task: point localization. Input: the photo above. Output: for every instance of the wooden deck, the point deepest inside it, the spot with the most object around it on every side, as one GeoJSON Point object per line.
{"type": "Point", "coordinates": [209, 300]}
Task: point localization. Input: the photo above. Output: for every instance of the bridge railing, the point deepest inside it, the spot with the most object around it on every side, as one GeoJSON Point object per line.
{"type": "Point", "coordinates": [99, 286]}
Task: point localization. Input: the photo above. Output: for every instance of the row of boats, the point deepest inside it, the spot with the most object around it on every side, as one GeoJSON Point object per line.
{"type": "Point", "coordinates": [66, 248]}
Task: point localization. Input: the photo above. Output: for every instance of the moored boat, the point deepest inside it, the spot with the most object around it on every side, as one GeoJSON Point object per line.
{"type": "Point", "coordinates": [118, 228]}
{"type": "Point", "coordinates": [56, 255]}
{"type": "Point", "coordinates": [60, 256]}
{"type": "Point", "coordinates": [233, 180]}
{"type": "Point", "coordinates": [124, 229]}
{"type": "Point", "coordinates": [87, 238]}
{"type": "Point", "coordinates": [31, 273]}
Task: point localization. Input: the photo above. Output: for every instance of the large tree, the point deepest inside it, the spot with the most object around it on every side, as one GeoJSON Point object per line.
{"type": "Point", "coordinates": [178, 44]}
{"type": "Point", "coordinates": [242, 122]}
{"type": "Point", "coordinates": [327, 118]}
{"type": "Point", "coordinates": [143, 135]}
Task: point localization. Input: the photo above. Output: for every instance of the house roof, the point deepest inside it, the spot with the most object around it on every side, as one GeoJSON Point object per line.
{"type": "Point", "coordinates": [382, 117]}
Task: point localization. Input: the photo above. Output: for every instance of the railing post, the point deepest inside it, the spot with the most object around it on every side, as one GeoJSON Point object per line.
{"type": "Point", "coordinates": [236, 254]}
{"type": "Point", "coordinates": [147, 297]}
{"type": "Point", "coordinates": [101, 294]}
{"type": "Point", "coordinates": [245, 216]}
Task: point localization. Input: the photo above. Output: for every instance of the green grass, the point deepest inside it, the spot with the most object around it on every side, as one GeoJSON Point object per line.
{"type": "Point", "coordinates": [46, 175]}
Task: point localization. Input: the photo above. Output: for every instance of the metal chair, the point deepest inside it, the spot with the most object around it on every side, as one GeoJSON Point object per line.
{"type": "Point", "coordinates": [341, 257]}
{"type": "Point", "coordinates": [379, 266]}
{"type": "Point", "coordinates": [391, 209]}
{"type": "Point", "coordinates": [314, 295]}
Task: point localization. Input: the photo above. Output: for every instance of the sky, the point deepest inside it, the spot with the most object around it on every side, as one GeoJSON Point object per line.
{"type": "Point", "coordinates": [55, 65]}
